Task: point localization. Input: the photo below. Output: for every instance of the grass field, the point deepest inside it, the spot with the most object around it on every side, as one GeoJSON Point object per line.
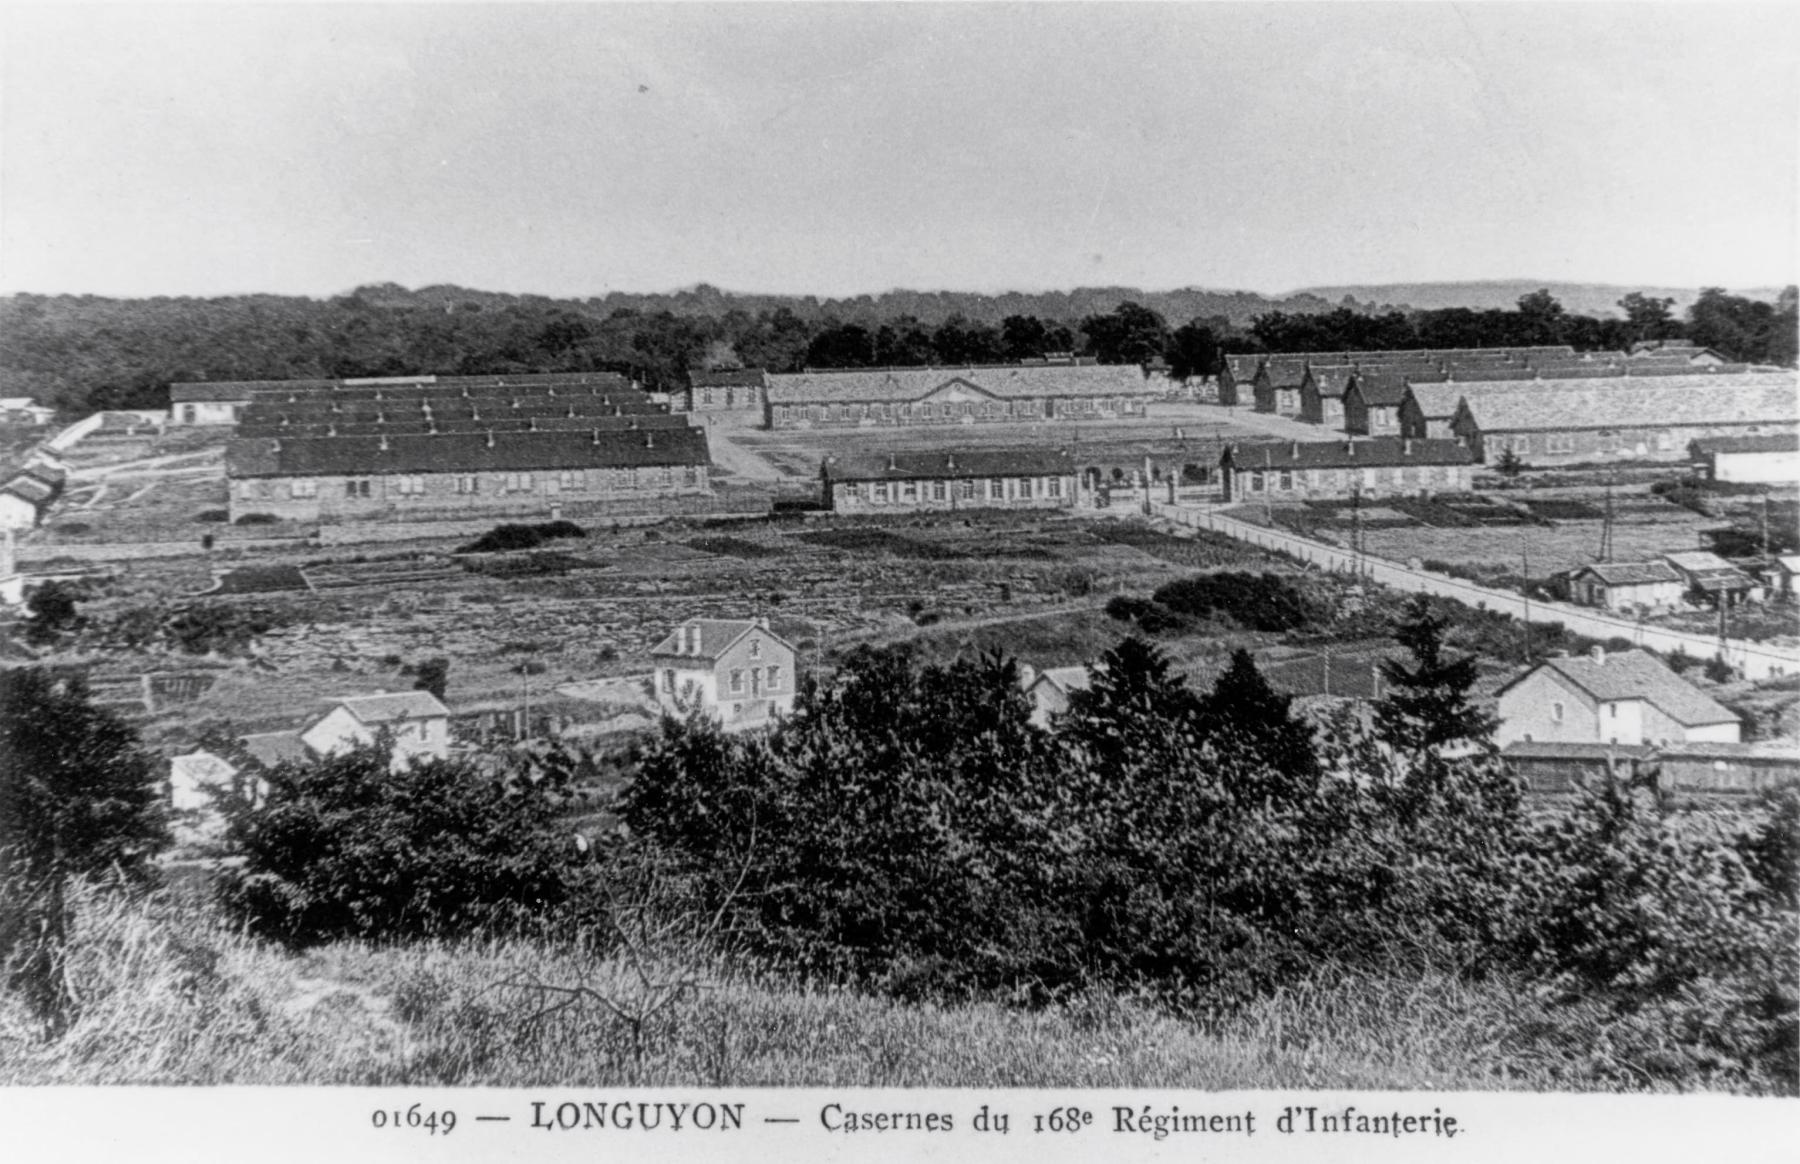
{"type": "Point", "coordinates": [171, 995]}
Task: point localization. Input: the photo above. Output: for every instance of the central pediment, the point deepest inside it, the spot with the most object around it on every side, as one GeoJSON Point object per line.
{"type": "Point", "coordinates": [955, 391]}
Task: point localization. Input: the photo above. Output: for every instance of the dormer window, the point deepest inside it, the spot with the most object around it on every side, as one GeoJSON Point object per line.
{"type": "Point", "coordinates": [756, 648]}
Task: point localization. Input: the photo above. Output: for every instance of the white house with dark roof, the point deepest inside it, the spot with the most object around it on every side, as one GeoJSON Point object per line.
{"type": "Point", "coordinates": [1626, 697]}
{"type": "Point", "coordinates": [737, 671]}
{"type": "Point", "coordinates": [726, 390]}
{"type": "Point", "coordinates": [1049, 690]}
{"type": "Point", "coordinates": [419, 722]}
{"type": "Point", "coordinates": [1771, 457]}
{"type": "Point", "coordinates": [1628, 587]}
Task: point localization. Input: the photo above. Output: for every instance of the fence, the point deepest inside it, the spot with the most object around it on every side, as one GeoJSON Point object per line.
{"type": "Point", "coordinates": [1752, 660]}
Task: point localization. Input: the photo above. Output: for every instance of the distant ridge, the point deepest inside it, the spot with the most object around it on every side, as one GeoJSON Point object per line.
{"type": "Point", "coordinates": [1596, 299]}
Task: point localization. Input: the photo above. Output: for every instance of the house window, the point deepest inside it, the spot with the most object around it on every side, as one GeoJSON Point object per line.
{"type": "Point", "coordinates": [756, 648]}
{"type": "Point", "coordinates": [706, 396]}
{"type": "Point", "coordinates": [1287, 480]}
{"type": "Point", "coordinates": [940, 491]}
{"type": "Point", "coordinates": [1024, 488]}
{"type": "Point", "coordinates": [518, 482]}
{"type": "Point", "coordinates": [737, 681]}
{"type": "Point", "coordinates": [737, 711]}
{"type": "Point", "coordinates": [1556, 712]}
{"type": "Point", "coordinates": [572, 479]}
{"type": "Point", "coordinates": [774, 683]}
{"type": "Point", "coordinates": [966, 490]}
{"type": "Point", "coordinates": [409, 486]}
{"type": "Point", "coordinates": [1665, 440]}
{"type": "Point", "coordinates": [1612, 711]}
{"type": "Point", "coordinates": [1559, 442]}
{"type": "Point", "coordinates": [356, 488]}
{"type": "Point", "coordinates": [909, 491]}
{"type": "Point", "coordinates": [303, 489]}
{"type": "Point", "coordinates": [879, 491]}
{"type": "Point", "coordinates": [1256, 483]}
{"type": "Point", "coordinates": [1053, 487]}
{"type": "Point", "coordinates": [996, 489]}
{"type": "Point", "coordinates": [668, 683]}
{"type": "Point", "coordinates": [468, 483]}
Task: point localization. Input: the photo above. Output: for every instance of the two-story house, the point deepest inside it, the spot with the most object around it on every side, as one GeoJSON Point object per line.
{"type": "Point", "coordinates": [1623, 698]}
{"type": "Point", "coordinates": [419, 723]}
{"type": "Point", "coordinates": [737, 671]}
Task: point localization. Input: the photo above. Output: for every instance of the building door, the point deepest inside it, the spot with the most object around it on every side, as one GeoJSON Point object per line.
{"type": "Point", "coordinates": [1049, 410]}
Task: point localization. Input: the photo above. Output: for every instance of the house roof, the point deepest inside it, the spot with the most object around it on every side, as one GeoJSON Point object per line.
{"type": "Point", "coordinates": [225, 390]}
{"type": "Point", "coordinates": [947, 464]}
{"type": "Point", "coordinates": [1332, 379]}
{"type": "Point", "coordinates": [1696, 399]}
{"type": "Point", "coordinates": [1707, 571]}
{"type": "Point", "coordinates": [201, 766]}
{"type": "Point", "coordinates": [30, 489]}
{"type": "Point", "coordinates": [1386, 387]}
{"type": "Point", "coordinates": [1636, 674]}
{"type": "Point", "coordinates": [717, 635]}
{"type": "Point", "coordinates": [1374, 452]}
{"type": "Point", "coordinates": [314, 426]}
{"type": "Point", "coordinates": [391, 706]}
{"type": "Point", "coordinates": [900, 385]}
{"type": "Point", "coordinates": [462, 453]}
{"type": "Point", "coordinates": [272, 748]}
{"type": "Point", "coordinates": [1785, 753]}
{"type": "Point", "coordinates": [1781, 442]}
{"type": "Point", "coordinates": [1631, 573]}
{"type": "Point", "coordinates": [1436, 400]}
{"type": "Point", "coordinates": [727, 378]}
{"type": "Point", "coordinates": [1076, 678]}
{"type": "Point", "coordinates": [1284, 371]}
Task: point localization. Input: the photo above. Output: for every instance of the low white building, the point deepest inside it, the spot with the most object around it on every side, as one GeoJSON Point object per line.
{"type": "Point", "coordinates": [1049, 690]}
{"type": "Point", "coordinates": [419, 723]}
{"type": "Point", "coordinates": [197, 780]}
{"type": "Point", "coordinates": [1771, 457]}
{"type": "Point", "coordinates": [737, 671]}
{"type": "Point", "coordinates": [1626, 697]}
{"type": "Point", "coordinates": [1628, 587]}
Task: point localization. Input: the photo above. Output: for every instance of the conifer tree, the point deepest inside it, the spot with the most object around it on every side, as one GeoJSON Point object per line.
{"type": "Point", "coordinates": [1427, 705]}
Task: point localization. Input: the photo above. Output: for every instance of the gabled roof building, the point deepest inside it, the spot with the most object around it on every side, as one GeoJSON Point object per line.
{"type": "Point", "coordinates": [1626, 697]}
{"type": "Point", "coordinates": [737, 671]}
{"type": "Point", "coordinates": [916, 396]}
{"type": "Point", "coordinates": [949, 479]}
{"type": "Point", "coordinates": [1315, 470]}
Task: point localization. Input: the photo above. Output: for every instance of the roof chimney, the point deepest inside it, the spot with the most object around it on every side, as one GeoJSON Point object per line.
{"type": "Point", "coordinates": [550, 391]}
{"type": "Point", "coordinates": [893, 463]}
{"type": "Point", "coordinates": [1350, 448]}
{"type": "Point", "coordinates": [531, 425]}
{"type": "Point", "coordinates": [1406, 445]}
{"type": "Point", "coordinates": [384, 443]}
{"type": "Point", "coordinates": [331, 430]}
{"type": "Point", "coordinates": [950, 462]}
{"type": "Point", "coordinates": [490, 438]}
{"type": "Point", "coordinates": [474, 413]}
{"type": "Point", "coordinates": [1598, 654]}
{"type": "Point", "coordinates": [515, 403]}
{"type": "Point", "coordinates": [571, 412]}
{"type": "Point", "coordinates": [1295, 455]}
{"type": "Point", "coordinates": [649, 440]}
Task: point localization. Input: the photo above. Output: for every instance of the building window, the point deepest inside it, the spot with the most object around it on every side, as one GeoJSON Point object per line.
{"type": "Point", "coordinates": [1665, 440]}
{"type": "Point", "coordinates": [774, 674]}
{"type": "Point", "coordinates": [518, 483]}
{"type": "Point", "coordinates": [737, 711]}
{"type": "Point", "coordinates": [939, 491]}
{"type": "Point", "coordinates": [737, 681]}
{"type": "Point", "coordinates": [1612, 711]}
{"type": "Point", "coordinates": [1287, 480]}
{"type": "Point", "coordinates": [996, 489]}
{"type": "Point", "coordinates": [1556, 712]}
{"type": "Point", "coordinates": [1559, 442]}
{"type": "Point", "coordinates": [879, 490]}
{"type": "Point", "coordinates": [909, 491]}
{"type": "Point", "coordinates": [1256, 483]}
{"type": "Point", "coordinates": [468, 483]}
{"type": "Point", "coordinates": [1053, 487]}
{"type": "Point", "coordinates": [966, 490]}
{"type": "Point", "coordinates": [1024, 489]}
{"type": "Point", "coordinates": [706, 396]}
{"type": "Point", "coordinates": [409, 486]}
{"type": "Point", "coordinates": [756, 648]}
{"type": "Point", "coordinates": [356, 489]}
{"type": "Point", "coordinates": [303, 489]}
{"type": "Point", "coordinates": [572, 479]}
{"type": "Point", "coordinates": [668, 678]}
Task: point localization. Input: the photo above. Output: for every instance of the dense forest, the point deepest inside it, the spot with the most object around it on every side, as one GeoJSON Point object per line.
{"type": "Point", "coordinates": [80, 353]}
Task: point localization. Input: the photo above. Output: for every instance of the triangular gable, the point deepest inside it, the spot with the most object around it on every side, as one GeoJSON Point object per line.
{"type": "Point", "coordinates": [955, 391]}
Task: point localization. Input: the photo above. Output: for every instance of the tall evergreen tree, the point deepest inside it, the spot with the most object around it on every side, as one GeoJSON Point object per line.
{"type": "Point", "coordinates": [1245, 713]}
{"type": "Point", "coordinates": [1427, 705]}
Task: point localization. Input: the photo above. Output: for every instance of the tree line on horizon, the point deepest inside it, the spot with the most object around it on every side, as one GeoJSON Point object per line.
{"type": "Point", "coordinates": [84, 353]}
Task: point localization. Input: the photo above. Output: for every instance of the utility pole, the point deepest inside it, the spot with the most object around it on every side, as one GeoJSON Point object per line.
{"type": "Point", "coordinates": [1606, 524]}
{"type": "Point", "coordinates": [1525, 589]}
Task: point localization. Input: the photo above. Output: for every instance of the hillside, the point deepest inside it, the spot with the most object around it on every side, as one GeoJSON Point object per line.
{"type": "Point", "coordinates": [1596, 299]}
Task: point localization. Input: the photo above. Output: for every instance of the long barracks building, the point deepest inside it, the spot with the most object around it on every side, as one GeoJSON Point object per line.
{"type": "Point", "coordinates": [935, 396]}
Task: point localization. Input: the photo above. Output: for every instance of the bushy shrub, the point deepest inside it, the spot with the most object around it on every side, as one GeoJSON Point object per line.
{"type": "Point", "coordinates": [257, 519]}
{"type": "Point", "coordinates": [513, 536]}
{"type": "Point", "coordinates": [1265, 602]}
{"type": "Point", "coordinates": [212, 515]}
{"type": "Point", "coordinates": [1145, 614]}
{"type": "Point", "coordinates": [355, 845]}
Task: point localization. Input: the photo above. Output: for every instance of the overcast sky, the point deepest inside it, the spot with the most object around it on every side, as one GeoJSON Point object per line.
{"type": "Point", "coordinates": [578, 149]}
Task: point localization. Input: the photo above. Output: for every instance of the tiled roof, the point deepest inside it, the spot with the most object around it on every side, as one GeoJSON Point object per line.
{"type": "Point", "coordinates": [1782, 752]}
{"type": "Point", "coordinates": [378, 709]}
{"type": "Point", "coordinates": [30, 489]}
{"type": "Point", "coordinates": [1698, 399]}
{"type": "Point", "coordinates": [1386, 388]}
{"type": "Point", "coordinates": [716, 637]}
{"type": "Point", "coordinates": [1333, 379]}
{"type": "Point", "coordinates": [1638, 674]}
{"type": "Point", "coordinates": [727, 378]}
{"type": "Point", "coordinates": [462, 453]}
{"type": "Point", "coordinates": [1436, 400]}
{"type": "Point", "coordinates": [948, 464]}
{"type": "Point", "coordinates": [1781, 442]}
{"type": "Point", "coordinates": [1631, 573]}
{"type": "Point", "coordinates": [1009, 382]}
{"type": "Point", "coordinates": [412, 423]}
{"type": "Point", "coordinates": [1375, 452]}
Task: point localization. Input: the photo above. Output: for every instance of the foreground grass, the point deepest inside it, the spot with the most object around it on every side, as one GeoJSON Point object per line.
{"type": "Point", "coordinates": [170, 996]}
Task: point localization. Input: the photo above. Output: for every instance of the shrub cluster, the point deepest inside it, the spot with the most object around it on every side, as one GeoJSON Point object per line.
{"type": "Point", "coordinates": [1264, 602]}
{"type": "Point", "coordinates": [521, 537]}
